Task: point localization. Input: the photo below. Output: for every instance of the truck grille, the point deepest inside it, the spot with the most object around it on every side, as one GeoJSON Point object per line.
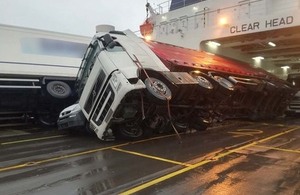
{"type": "Point", "coordinates": [104, 105]}
{"type": "Point", "coordinates": [96, 88]}
{"type": "Point", "coordinates": [295, 105]}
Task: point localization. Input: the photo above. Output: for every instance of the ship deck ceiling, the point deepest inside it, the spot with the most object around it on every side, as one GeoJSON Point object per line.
{"type": "Point", "coordinates": [286, 52]}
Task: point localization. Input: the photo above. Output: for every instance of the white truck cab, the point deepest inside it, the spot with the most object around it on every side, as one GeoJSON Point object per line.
{"type": "Point", "coordinates": [109, 74]}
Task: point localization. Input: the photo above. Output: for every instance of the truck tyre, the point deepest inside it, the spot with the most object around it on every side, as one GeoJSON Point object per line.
{"type": "Point", "coordinates": [47, 120]}
{"type": "Point", "coordinates": [128, 131]}
{"type": "Point", "coordinates": [158, 89]}
{"type": "Point", "coordinates": [226, 87]}
{"type": "Point", "coordinates": [200, 124]}
{"type": "Point", "coordinates": [204, 81]}
{"type": "Point", "coordinates": [88, 129]}
{"type": "Point", "coordinates": [59, 89]}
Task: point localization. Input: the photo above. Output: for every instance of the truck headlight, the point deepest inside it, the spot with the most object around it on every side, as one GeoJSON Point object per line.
{"type": "Point", "coordinates": [114, 81]}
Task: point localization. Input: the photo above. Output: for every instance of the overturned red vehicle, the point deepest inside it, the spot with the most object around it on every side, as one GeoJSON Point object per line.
{"type": "Point", "coordinates": [229, 88]}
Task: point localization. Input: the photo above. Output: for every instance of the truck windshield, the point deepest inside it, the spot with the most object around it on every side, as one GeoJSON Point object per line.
{"type": "Point", "coordinates": [86, 66]}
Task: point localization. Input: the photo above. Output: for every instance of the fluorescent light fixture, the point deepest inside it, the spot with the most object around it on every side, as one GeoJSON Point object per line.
{"type": "Point", "coordinates": [258, 58]}
{"type": "Point", "coordinates": [285, 67]}
{"type": "Point", "coordinates": [272, 44]}
{"type": "Point", "coordinates": [213, 44]}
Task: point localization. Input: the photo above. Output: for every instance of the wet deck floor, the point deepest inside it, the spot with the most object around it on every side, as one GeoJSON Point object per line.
{"type": "Point", "coordinates": [238, 158]}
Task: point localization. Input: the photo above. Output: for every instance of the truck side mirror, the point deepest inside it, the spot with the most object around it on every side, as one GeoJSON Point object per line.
{"type": "Point", "coordinates": [108, 41]}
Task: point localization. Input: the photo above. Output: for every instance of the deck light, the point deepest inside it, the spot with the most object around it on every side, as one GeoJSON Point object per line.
{"type": "Point", "coordinates": [285, 67]}
{"type": "Point", "coordinates": [213, 44]}
{"type": "Point", "coordinates": [272, 44]}
{"type": "Point", "coordinates": [257, 58]}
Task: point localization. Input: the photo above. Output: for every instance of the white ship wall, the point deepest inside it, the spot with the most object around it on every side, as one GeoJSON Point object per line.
{"type": "Point", "coordinates": [212, 19]}
{"type": "Point", "coordinates": [192, 26]}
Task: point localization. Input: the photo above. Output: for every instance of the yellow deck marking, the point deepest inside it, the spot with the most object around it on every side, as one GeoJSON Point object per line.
{"type": "Point", "coordinates": [155, 138]}
{"type": "Point", "coordinates": [152, 157]}
{"type": "Point", "coordinates": [245, 132]}
{"type": "Point", "coordinates": [77, 154]}
{"type": "Point", "coordinates": [280, 149]}
{"type": "Point", "coordinates": [30, 140]}
{"type": "Point", "coordinates": [28, 164]}
{"type": "Point", "coordinates": [201, 163]}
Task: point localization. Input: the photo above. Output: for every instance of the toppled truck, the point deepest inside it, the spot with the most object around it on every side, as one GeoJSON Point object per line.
{"type": "Point", "coordinates": [129, 88]}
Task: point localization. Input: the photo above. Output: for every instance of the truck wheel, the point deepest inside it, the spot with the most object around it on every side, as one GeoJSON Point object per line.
{"type": "Point", "coordinates": [203, 82]}
{"type": "Point", "coordinates": [131, 130]}
{"type": "Point", "coordinates": [224, 82]}
{"type": "Point", "coordinates": [128, 132]}
{"type": "Point", "coordinates": [88, 129]}
{"type": "Point", "coordinates": [158, 89]}
{"type": "Point", "coordinates": [226, 86]}
{"type": "Point", "coordinates": [59, 89]}
{"type": "Point", "coordinates": [47, 120]}
{"type": "Point", "coordinates": [200, 124]}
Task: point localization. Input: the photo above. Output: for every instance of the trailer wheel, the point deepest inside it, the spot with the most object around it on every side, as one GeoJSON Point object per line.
{"type": "Point", "coordinates": [226, 87]}
{"type": "Point", "coordinates": [158, 89]}
{"type": "Point", "coordinates": [200, 124]}
{"type": "Point", "coordinates": [203, 82]}
{"type": "Point", "coordinates": [59, 89]}
{"type": "Point", "coordinates": [224, 82]}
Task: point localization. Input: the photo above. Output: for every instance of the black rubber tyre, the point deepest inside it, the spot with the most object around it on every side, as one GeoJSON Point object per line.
{"type": "Point", "coordinates": [180, 126]}
{"type": "Point", "coordinates": [224, 88]}
{"type": "Point", "coordinates": [88, 129]}
{"type": "Point", "coordinates": [47, 120]}
{"type": "Point", "coordinates": [128, 131]}
{"type": "Point", "coordinates": [224, 82]}
{"type": "Point", "coordinates": [200, 125]}
{"type": "Point", "coordinates": [59, 89]}
{"type": "Point", "coordinates": [158, 89]}
{"type": "Point", "coordinates": [204, 81]}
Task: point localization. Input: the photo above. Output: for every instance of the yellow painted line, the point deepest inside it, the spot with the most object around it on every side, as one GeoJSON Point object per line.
{"type": "Point", "coordinates": [154, 138]}
{"type": "Point", "coordinates": [201, 163]}
{"type": "Point", "coordinates": [163, 178]}
{"type": "Point", "coordinates": [245, 132]}
{"type": "Point", "coordinates": [152, 157]}
{"type": "Point", "coordinates": [28, 164]}
{"type": "Point", "coordinates": [75, 154]}
{"type": "Point", "coordinates": [280, 149]}
{"type": "Point", "coordinates": [30, 140]}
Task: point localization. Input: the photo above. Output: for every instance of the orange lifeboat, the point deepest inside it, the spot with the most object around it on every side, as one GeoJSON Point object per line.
{"type": "Point", "coordinates": [146, 28]}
